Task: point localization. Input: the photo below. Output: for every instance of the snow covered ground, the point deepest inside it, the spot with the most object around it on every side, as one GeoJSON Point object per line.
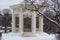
{"type": "Point", "coordinates": [13, 36]}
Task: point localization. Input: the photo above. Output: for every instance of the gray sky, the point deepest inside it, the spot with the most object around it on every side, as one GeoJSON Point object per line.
{"type": "Point", "coordinates": [7, 3]}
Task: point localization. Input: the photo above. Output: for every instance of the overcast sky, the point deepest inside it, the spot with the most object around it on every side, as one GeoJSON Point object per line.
{"type": "Point", "coordinates": [7, 3]}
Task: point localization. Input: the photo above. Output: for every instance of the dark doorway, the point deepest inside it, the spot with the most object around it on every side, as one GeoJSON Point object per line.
{"type": "Point", "coordinates": [37, 23]}
{"type": "Point", "coordinates": [17, 22]}
{"type": "Point", "coordinates": [27, 25]}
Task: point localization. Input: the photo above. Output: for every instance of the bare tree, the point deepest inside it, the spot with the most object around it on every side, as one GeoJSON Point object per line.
{"type": "Point", "coordinates": [0, 18]}
{"type": "Point", "coordinates": [56, 8]}
{"type": "Point", "coordinates": [38, 7]}
{"type": "Point", "coordinates": [6, 18]}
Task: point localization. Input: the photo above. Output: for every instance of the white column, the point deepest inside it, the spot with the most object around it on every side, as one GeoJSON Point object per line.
{"type": "Point", "coordinates": [13, 23]}
{"type": "Point", "coordinates": [33, 22]}
{"type": "Point", "coordinates": [21, 22]}
{"type": "Point", "coordinates": [40, 23]}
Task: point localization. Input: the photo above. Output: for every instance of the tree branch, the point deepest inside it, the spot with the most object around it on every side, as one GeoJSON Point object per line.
{"type": "Point", "coordinates": [58, 26]}
{"type": "Point", "coordinates": [49, 19]}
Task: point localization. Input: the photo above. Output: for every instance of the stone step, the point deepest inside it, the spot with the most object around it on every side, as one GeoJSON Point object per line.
{"type": "Point", "coordinates": [28, 34]}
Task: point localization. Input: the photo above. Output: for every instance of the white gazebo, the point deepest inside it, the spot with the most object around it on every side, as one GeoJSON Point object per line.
{"type": "Point", "coordinates": [25, 21]}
